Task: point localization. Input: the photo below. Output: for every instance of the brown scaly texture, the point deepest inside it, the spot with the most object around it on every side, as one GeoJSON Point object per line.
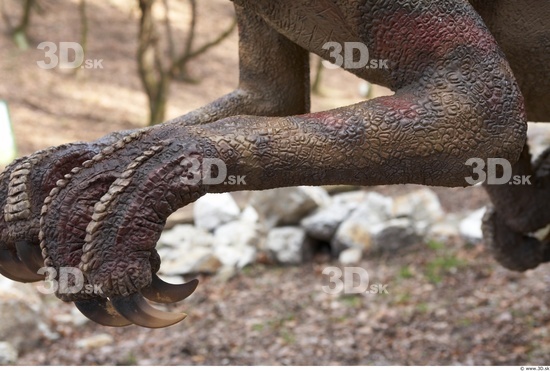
{"type": "Point", "coordinates": [456, 97]}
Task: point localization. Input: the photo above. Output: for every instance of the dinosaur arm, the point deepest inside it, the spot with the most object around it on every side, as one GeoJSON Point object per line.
{"type": "Point", "coordinates": [423, 134]}
{"type": "Point", "coordinates": [274, 82]}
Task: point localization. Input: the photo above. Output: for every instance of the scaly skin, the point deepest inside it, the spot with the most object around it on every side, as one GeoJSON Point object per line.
{"type": "Point", "coordinates": [456, 98]}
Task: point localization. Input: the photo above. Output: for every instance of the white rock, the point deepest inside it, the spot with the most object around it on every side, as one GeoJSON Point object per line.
{"type": "Point", "coordinates": [177, 262]}
{"type": "Point", "coordinates": [350, 198]}
{"type": "Point", "coordinates": [422, 206]}
{"type": "Point", "coordinates": [250, 215]}
{"type": "Point", "coordinates": [318, 194]}
{"type": "Point", "coordinates": [470, 227]}
{"type": "Point", "coordinates": [215, 209]}
{"type": "Point", "coordinates": [323, 223]}
{"type": "Point", "coordinates": [355, 232]}
{"type": "Point", "coordinates": [181, 216]}
{"type": "Point", "coordinates": [74, 318]}
{"type": "Point", "coordinates": [21, 314]}
{"type": "Point", "coordinates": [289, 245]}
{"type": "Point", "coordinates": [394, 235]}
{"type": "Point", "coordinates": [237, 233]}
{"type": "Point", "coordinates": [444, 229]}
{"type": "Point", "coordinates": [352, 234]}
{"type": "Point", "coordinates": [236, 243]}
{"type": "Point", "coordinates": [185, 237]}
{"type": "Point", "coordinates": [96, 341]}
{"type": "Point", "coordinates": [8, 354]}
{"type": "Point", "coordinates": [187, 249]}
{"type": "Point", "coordinates": [539, 138]}
{"type": "Point", "coordinates": [235, 255]}
{"type": "Point", "coordinates": [226, 273]}
{"type": "Point", "coordinates": [375, 207]}
{"type": "Point", "coordinates": [284, 206]}
{"type": "Point", "coordinates": [350, 256]}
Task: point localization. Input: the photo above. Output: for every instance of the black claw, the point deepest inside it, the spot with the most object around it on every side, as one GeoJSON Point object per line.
{"type": "Point", "coordinates": [15, 269]}
{"type": "Point", "coordinates": [30, 254]}
{"type": "Point", "coordinates": [167, 293]}
{"type": "Point", "coordinates": [139, 312]}
{"type": "Point", "coordinates": [102, 312]}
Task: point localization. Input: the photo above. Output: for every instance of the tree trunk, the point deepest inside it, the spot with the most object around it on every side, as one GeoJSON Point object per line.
{"type": "Point", "coordinates": [19, 33]}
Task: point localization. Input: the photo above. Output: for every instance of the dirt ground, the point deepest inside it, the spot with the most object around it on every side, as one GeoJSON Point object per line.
{"type": "Point", "coordinates": [446, 304]}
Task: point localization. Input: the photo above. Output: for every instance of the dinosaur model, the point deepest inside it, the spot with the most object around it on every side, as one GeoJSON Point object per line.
{"type": "Point", "coordinates": [466, 75]}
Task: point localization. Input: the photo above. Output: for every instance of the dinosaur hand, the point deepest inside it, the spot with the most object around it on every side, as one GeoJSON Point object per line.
{"type": "Point", "coordinates": [517, 248]}
{"type": "Point", "coordinates": [103, 217]}
{"type": "Point", "coordinates": [23, 187]}
{"type": "Point", "coordinates": [514, 250]}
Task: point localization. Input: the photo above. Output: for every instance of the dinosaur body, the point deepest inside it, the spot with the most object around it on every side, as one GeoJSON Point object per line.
{"type": "Point", "coordinates": [101, 206]}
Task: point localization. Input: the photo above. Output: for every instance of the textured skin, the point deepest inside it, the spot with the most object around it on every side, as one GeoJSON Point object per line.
{"type": "Point", "coordinates": [456, 98]}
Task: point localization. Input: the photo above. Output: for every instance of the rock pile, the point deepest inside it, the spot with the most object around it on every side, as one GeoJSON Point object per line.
{"type": "Point", "coordinates": [286, 225]}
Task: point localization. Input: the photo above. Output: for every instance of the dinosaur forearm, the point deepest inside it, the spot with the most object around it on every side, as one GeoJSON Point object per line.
{"type": "Point", "coordinates": [238, 102]}
{"type": "Point", "coordinates": [389, 140]}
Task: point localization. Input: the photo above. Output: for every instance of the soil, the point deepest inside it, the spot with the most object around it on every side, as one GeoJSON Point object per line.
{"type": "Point", "coordinates": [446, 303]}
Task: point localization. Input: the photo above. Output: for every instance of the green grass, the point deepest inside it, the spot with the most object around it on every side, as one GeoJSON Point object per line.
{"type": "Point", "coordinates": [437, 268]}
{"type": "Point", "coordinates": [258, 327]}
{"type": "Point", "coordinates": [352, 301]}
{"type": "Point", "coordinates": [405, 273]}
{"type": "Point", "coordinates": [465, 322]}
{"type": "Point", "coordinates": [403, 298]}
{"type": "Point", "coordinates": [435, 245]}
{"type": "Point", "coordinates": [131, 360]}
{"type": "Point", "coordinates": [288, 337]}
{"type": "Point", "coordinates": [280, 322]}
{"type": "Point", "coordinates": [422, 308]}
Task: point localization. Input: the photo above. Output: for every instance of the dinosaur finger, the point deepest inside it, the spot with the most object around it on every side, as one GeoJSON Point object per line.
{"type": "Point", "coordinates": [101, 311]}
{"type": "Point", "coordinates": [15, 269]}
{"type": "Point", "coordinates": [163, 292]}
{"type": "Point", "coordinates": [30, 254]}
{"type": "Point", "coordinates": [138, 311]}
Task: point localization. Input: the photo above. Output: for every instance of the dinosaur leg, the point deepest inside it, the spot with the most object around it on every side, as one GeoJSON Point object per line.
{"type": "Point", "coordinates": [519, 210]}
{"type": "Point", "coordinates": [274, 86]}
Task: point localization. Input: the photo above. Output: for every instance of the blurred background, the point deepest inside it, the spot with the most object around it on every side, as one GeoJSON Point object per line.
{"type": "Point", "coordinates": [435, 295]}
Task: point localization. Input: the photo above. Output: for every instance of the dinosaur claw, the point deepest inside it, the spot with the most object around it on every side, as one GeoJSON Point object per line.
{"type": "Point", "coordinates": [135, 309]}
{"type": "Point", "coordinates": [30, 255]}
{"type": "Point", "coordinates": [15, 269]}
{"type": "Point", "coordinates": [101, 311]}
{"type": "Point", "coordinates": [166, 293]}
